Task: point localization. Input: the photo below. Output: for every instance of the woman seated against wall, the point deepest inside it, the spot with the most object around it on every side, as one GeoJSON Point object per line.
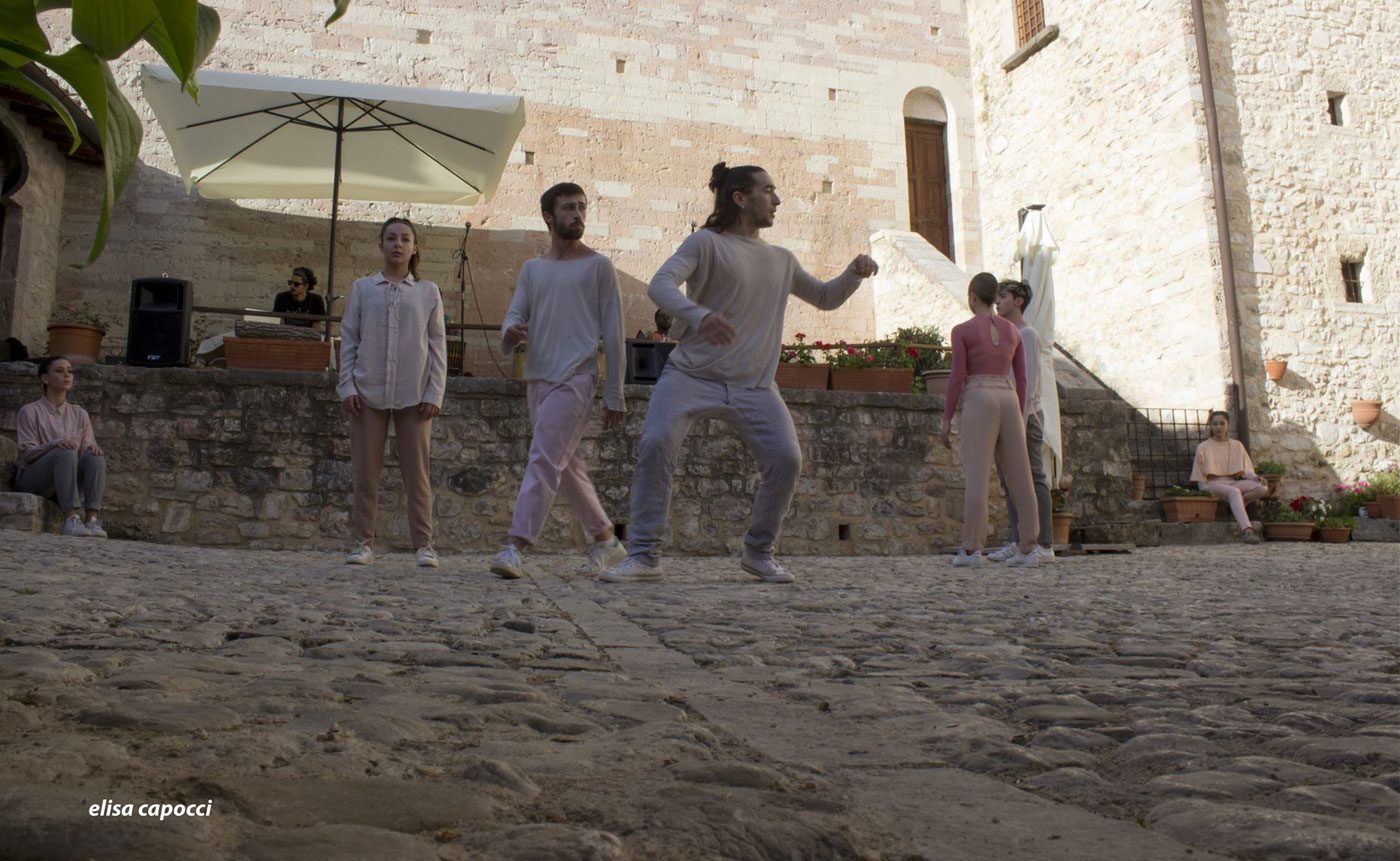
{"type": "Point", "coordinates": [1223, 467]}
{"type": "Point", "coordinates": [58, 454]}
{"type": "Point", "coordinates": [298, 298]}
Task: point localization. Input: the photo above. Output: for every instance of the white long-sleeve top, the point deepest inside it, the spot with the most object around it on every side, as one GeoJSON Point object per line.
{"type": "Point", "coordinates": [748, 282]}
{"type": "Point", "coordinates": [569, 305]}
{"type": "Point", "coordinates": [1030, 342]}
{"type": "Point", "coordinates": [393, 343]}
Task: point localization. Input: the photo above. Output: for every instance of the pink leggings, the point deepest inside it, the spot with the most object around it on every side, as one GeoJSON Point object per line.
{"type": "Point", "coordinates": [559, 414]}
{"type": "Point", "coordinates": [993, 427]}
{"type": "Point", "coordinates": [1238, 493]}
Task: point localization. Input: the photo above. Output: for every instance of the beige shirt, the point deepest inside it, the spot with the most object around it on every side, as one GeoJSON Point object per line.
{"type": "Point", "coordinates": [1215, 459]}
{"type": "Point", "coordinates": [41, 426]}
{"type": "Point", "coordinates": [393, 343]}
{"type": "Point", "coordinates": [747, 281]}
{"type": "Point", "coordinates": [569, 305]}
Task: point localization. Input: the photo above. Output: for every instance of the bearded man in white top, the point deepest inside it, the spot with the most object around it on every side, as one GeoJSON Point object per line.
{"type": "Point", "coordinates": [564, 302]}
{"type": "Point", "coordinates": [729, 323]}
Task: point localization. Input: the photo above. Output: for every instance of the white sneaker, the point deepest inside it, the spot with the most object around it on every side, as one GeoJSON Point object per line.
{"type": "Point", "coordinates": [633, 569]}
{"type": "Point", "coordinates": [1043, 553]}
{"type": "Point", "coordinates": [427, 557]}
{"type": "Point", "coordinates": [361, 555]}
{"type": "Point", "coordinates": [1024, 560]}
{"type": "Point", "coordinates": [967, 560]}
{"type": "Point", "coordinates": [767, 570]}
{"type": "Point", "coordinates": [94, 528]}
{"type": "Point", "coordinates": [1001, 554]}
{"type": "Point", "coordinates": [602, 555]}
{"type": "Point", "coordinates": [508, 563]}
{"type": "Point", "coordinates": [73, 527]}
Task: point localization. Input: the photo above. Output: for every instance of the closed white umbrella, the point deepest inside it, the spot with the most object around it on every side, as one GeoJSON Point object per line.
{"type": "Point", "coordinates": [1037, 251]}
{"type": "Point", "coordinates": [254, 136]}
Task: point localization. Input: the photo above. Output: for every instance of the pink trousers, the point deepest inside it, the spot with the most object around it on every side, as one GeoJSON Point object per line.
{"type": "Point", "coordinates": [993, 428]}
{"type": "Point", "coordinates": [1238, 493]}
{"type": "Point", "coordinates": [559, 414]}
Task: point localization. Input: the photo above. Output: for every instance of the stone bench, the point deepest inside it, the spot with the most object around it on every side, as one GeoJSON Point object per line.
{"type": "Point", "coordinates": [29, 513]}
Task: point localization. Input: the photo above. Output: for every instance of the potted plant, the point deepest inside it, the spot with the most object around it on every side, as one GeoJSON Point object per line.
{"type": "Point", "coordinates": [1285, 523]}
{"type": "Point", "coordinates": [886, 367]}
{"type": "Point", "coordinates": [1366, 412]}
{"type": "Point", "coordinates": [1276, 368]}
{"type": "Point", "coordinates": [76, 332]}
{"type": "Point", "coordinates": [1335, 530]}
{"type": "Point", "coordinates": [798, 367]}
{"type": "Point", "coordinates": [1188, 505]}
{"type": "Point", "coordinates": [1061, 519]}
{"type": "Point", "coordinates": [933, 364]}
{"type": "Point", "coordinates": [1386, 483]}
{"type": "Point", "coordinates": [1272, 472]}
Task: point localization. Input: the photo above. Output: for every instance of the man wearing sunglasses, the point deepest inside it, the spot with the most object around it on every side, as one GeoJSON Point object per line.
{"type": "Point", "coordinates": [298, 298]}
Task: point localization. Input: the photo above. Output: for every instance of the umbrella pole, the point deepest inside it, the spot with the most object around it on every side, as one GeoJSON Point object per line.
{"type": "Point", "coordinates": [335, 210]}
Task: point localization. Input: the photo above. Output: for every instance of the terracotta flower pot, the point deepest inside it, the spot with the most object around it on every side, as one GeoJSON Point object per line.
{"type": "Point", "coordinates": [936, 381]}
{"type": "Point", "coordinates": [873, 379]}
{"type": "Point", "coordinates": [1288, 531]}
{"type": "Point", "coordinates": [1366, 413]}
{"type": "Point", "coordinates": [1189, 509]}
{"type": "Point", "coordinates": [1375, 510]}
{"type": "Point", "coordinates": [794, 376]}
{"type": "Point", "coordinates": [1139, 487]}
{"type": "Point", "coordinates": [1276, 369]}
{"type": "Point", "coordinates": [1273, 482]}
{"type": "Point", "coordinates": [1334, 534]}
{"type": "Point", "coordinates": [79, 344]}
{"type": "Point", "coordinates": [1390, 507]}
{"type": "Point", "coordinates": [1059, 527]}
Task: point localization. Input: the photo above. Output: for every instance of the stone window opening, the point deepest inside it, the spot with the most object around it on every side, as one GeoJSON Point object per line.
{"type": "Point", "coordinates": [529, 156]}
{"type": "Point", "coordinates": [1354, 280]}
{"type": "Point", "coordinates": [826, 186]}
{"type": "Point", "coordinates": [843, 532]}
{"type": "Point", "coordinates": [621, 66]}
{"type": "Point", "coordinates": [1336, 108]}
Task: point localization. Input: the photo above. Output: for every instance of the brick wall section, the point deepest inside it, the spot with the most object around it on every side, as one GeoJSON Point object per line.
{"type": "Point", "coordinates": [701, 83]}
{"type": "Point", "coordinates": [261, 459]}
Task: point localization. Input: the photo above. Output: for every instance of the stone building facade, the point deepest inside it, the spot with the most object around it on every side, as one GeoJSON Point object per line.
{"type": "Point", "coordinates": [1103, 123]}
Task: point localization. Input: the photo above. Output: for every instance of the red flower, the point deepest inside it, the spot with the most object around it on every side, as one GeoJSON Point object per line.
{"type": "Point", "coordinates": [911, 352]}
{"type": "Point", "coordinates": [850, 351]}
{"type": "Point", "coordinates": [869, 357]}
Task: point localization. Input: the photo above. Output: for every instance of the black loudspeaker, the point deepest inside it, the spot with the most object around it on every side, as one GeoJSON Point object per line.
{"type": "Point", "coordinates": [646, 360]}
{"type": "Point", "coordinates": [158, 330]}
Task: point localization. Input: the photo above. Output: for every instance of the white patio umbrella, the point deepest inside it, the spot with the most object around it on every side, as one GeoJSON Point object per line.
{"type": "Point", "coordinates": [1037, 251]}
{"type": "Point", "coordinates": [253, 136]}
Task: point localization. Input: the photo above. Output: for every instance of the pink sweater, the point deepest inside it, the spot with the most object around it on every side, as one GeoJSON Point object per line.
{"type": "Point", "coordinates": [975, 354]}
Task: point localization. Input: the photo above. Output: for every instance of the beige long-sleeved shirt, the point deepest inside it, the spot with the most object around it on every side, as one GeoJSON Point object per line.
{"type": "Point", "coordinates": [1215, 459]}
{"type": "Point", "coordinates": [393, 343]}
{"type": "Point", "coordinates": [40, 426]}
{"type": "Point", "coordinates": [748, 282]}
{"type": "Point", "coordinates": [569, 305]}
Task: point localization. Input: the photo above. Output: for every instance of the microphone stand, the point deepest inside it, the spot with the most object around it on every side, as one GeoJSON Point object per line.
{"type": "Point", "coordinates": [460, 255]}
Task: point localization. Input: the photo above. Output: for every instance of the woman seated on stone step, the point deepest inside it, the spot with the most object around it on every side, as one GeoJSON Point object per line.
{"type": "Point", "coordinates": [58, 454]}
{"type": "Point", "coordinates": [1223, 467]}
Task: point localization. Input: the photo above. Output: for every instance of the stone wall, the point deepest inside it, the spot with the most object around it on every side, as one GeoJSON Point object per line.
{"type": "Point", "coordinates": [261, 459]}
{"type": "Point", "coordinates": [33, 225]}
{"type": "Point", "coordinates": [634, 102]}
{"type": "Point", "coordinates": [1304, 195]}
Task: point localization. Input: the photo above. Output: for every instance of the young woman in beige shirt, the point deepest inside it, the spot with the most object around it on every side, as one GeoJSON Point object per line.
{"type": "Point", "coordinates": [393, 367]}
{"type": "Point", "coordinates": [1223, 467]}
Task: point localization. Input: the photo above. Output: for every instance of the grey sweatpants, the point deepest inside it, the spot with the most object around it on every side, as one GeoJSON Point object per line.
{"type": "Point", "coordinates": [60, 472]}
{"type": "Point", "coordinates": [763, 422]}
{"type": "Point", "coordinates": [1035, 447]}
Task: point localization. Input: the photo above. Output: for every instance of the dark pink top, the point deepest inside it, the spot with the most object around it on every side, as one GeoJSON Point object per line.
{"type": "Point", "coordinates": [975, 354]}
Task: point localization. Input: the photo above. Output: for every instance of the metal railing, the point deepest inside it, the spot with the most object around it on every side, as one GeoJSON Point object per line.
{"type": "Point", "coordinates": [1163, 445]}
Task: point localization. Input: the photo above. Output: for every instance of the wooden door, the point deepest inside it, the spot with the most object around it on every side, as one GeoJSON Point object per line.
{"type": "Point", "coordinates": [929, 205]}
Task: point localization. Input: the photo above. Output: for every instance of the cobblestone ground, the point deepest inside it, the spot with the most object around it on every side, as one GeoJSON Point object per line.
{"type": "Point", "coordinates": [1177, 702]}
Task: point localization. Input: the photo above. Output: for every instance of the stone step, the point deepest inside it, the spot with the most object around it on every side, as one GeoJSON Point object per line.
{"type": "Point", "coordinates": [1374, 529]}
{"type": "Point", "coordinates": [29, 513]}
{"type": "Point", "coordinates": [1204, 533]}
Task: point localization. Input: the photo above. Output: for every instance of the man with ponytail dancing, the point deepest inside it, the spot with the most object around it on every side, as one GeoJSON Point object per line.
{"type": "Point", "coordinates": [729, 322]}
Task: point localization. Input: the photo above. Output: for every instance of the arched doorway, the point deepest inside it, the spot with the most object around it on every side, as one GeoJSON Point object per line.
{"type": "Point", "coordinates": [926, 153]}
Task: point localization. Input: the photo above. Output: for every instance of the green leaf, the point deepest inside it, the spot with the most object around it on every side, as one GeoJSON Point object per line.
{"type": "Point", "coordinates": [15, 78]}
{"type": "Point", "coordinates": [183, 34]}
{"type": "Point", "coordinates": [341, 6]}
{"type": "Point", "coordinates": [117, 125]}
{"type": "Point", "coordinates": [111, 27]}
{"type": "Point", "coordinates": [19, 21]}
